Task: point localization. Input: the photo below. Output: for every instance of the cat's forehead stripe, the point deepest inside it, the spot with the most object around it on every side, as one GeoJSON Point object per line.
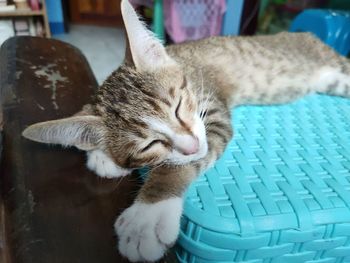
{"type": "Point", "coordinates": [153, 104]}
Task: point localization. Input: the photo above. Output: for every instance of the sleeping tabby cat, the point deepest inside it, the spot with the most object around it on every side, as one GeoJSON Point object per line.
{"type": "Point", "coordinates": [169, 108]}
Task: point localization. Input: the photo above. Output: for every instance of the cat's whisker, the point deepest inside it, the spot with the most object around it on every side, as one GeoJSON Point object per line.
{"type": "Point", "coordinates": [202, 101]}
{"type": "Point", "coordinates": [202, 84]}
{"type": "Point", "coordinates": [157, 166]}
{"type": "Point", "coordinates": [206, 105]}
{"type": "Point", "coordinates": [119, 181]}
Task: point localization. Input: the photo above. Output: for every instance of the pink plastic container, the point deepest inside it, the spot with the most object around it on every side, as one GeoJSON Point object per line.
{"type": "Point", "coordinates": [193, 19]}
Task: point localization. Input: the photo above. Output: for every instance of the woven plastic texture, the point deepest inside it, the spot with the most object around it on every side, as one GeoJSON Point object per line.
{"type": "Point", "coordinates": [280, 192]}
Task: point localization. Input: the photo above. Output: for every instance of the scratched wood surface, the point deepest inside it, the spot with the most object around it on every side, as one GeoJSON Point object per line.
{"type": "Point", "coordinates": [55, 209]}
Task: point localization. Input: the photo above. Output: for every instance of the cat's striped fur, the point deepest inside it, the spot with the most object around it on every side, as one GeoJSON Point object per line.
{"type": "Point", "coordinates": [170, 109]}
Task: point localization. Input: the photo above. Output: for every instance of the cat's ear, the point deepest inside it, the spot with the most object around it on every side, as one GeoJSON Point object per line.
{"type": "Point", "coordinates": [85, 132]}
{"type": "Point", "coordinates": [147, 51]}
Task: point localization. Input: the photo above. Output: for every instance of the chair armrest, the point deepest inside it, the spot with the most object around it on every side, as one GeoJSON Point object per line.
{"type": "Point", "coordinates": [55, 209]}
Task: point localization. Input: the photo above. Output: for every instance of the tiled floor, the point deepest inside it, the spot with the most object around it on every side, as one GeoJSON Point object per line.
{"type": "Point", "coordinates": [103, 47]}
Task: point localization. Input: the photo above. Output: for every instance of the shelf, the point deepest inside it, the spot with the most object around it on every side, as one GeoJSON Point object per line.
{"type": "Point", "coordinates": [21, 13]}
{"type": "Point", "coordinates": [30, 13]}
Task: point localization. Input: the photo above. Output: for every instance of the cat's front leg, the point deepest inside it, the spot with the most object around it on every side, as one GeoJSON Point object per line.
{"type": "Point", "coordinates": [104, 166]}
{"type": "Point", "coordinates": [147, 230]}
{"type": "Point", "coordinates": [151, 225]}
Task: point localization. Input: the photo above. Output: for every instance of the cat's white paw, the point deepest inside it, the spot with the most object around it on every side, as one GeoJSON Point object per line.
{"type": "Point", "coordinates": [102, 165]}
{"type": "Point", "coordinates": [145, 231]}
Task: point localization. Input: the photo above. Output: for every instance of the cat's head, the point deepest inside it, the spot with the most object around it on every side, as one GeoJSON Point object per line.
{"type": "Point", "coordinates": [145, 113]}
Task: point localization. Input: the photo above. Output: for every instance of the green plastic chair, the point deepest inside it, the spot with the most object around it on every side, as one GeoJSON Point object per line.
{"type": "Point", "coordinates": [158, 19]}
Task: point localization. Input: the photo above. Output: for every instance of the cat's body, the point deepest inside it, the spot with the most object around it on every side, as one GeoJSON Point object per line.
{"type": "Point", "coordinates": [260, 69]}
{"type": "Point", "coordinates": [169, 108]}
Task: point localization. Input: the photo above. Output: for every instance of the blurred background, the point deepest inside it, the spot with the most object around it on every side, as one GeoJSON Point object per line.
{"type": "Point", "coordinates": [96, 27]}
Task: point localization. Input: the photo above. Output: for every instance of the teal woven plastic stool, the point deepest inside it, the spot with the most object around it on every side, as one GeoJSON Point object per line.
{"type": "Point", "coordinates": [281, 191]}
{"type": "Point", "coordinates": [331, 26]}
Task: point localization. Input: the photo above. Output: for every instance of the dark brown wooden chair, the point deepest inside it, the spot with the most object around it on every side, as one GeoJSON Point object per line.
{"type": "Point", "coordinates": [52, 208]}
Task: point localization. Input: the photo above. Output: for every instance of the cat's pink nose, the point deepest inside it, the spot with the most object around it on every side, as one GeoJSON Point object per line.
{"type": "Point", "coordinates": [191, 146]}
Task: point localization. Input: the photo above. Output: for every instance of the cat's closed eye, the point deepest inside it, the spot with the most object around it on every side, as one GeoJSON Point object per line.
{"type": "Point", "coordinates": [177, 109]}
{"type": "Point", "coordinates": [151, 144]}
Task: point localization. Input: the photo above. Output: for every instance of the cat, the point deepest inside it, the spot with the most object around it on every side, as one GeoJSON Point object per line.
{"type": "Point", "coordinates": [169, 108]}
